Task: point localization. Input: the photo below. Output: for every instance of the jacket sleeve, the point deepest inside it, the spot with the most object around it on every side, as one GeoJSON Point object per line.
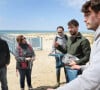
{"type": "Point", "coordinates": [60, 48]}
{"type": "Point", "coordinates": [8, 53]}
{"type": "Point", "coordinates": [33, 53]}
{"type": "Point", "coordinates": [18, 57]}
{"type": "Point", "coordinates": [86, 52]}
{"type": "Point", "coordinates": [90, 78]}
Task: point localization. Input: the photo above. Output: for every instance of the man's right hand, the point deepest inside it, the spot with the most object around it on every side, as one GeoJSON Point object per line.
{"type": "Point", "coordinates": [56, 44]}
{"type": "Point", "coordinates": [78, 67]}
{"type": "Point", "coordinates": [28, 59]}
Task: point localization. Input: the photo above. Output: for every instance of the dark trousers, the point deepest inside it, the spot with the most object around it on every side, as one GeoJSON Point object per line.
{"type": "Point", "coordinates": [59, 65]}
{"type": "Point", "coordinates": [58, 74]}
{"type": "Point", "coordinates": [25, 73]}
{"type": "Point", "coordinates": [3, 78]}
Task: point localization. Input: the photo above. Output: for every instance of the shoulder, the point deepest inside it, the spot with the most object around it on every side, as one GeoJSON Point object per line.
{"type": "Point", "coordinates": [85, 39]}
{"type": "Point", "coordinates": [66, 37]}
{"type": "Point", "coordinates": [56, 37]}
{"type": "Point", "coordinates": [1, 40]}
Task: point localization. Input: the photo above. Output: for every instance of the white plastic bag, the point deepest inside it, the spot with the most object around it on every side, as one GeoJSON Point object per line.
{"type": "Point", "coordinates": [67, 58]}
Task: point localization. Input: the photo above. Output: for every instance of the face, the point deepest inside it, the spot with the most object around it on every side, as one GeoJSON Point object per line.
{"type": "Point", "coordinates": [92, 19]}
{"type": "Point", "coordinates": [73, 29]}
{"type": "Point", "coordinates": [23, 40]}
{"type": "Point", "coordinates": [60, 31]}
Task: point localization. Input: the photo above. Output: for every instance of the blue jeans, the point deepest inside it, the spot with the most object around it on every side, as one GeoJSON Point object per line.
{"type": "Point", "coordinates": [25, 73]}
{"type": "Point", "coordinates": [71, 74]}
{"type": "Point", "coordinates": [3, 78]}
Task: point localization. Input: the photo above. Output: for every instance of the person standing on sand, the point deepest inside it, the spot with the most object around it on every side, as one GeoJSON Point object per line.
{"type": "Point", "coordinates": [78, 46]}
{"type": "Point", "coordinates": [90, 78]}
{"type": "Point", "coordinates": [24, 56]}
{"type": "Point", "coordinates": [61, 38]}
{"type": "Point", "coordinates": [4, 62]}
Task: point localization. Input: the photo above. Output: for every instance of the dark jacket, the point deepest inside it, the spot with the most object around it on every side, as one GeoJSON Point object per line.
{"type": "Point", "coordinates": [21, 54]}
{"type": "Point", "coordinates": [4, 53]}
{"type": "Point", "coordinates": [79, 47]}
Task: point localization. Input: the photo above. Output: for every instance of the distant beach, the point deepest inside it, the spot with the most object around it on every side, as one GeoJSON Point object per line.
{"type": "Point", "coordinates": [46, 36]}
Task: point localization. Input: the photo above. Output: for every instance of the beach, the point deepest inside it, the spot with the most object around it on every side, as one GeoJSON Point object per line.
{"type": "Point", "coordinates": [43, 71]}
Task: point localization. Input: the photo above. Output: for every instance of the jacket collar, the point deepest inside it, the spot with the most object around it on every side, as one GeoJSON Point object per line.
{"type": "Point", "coordinates": [97, 33]}
{"type": "Point", "coordinates": [74, 38]}
{"type": "Point", "coordinates": [79, 35]}
{"type": "Point", "coordinates": [60, 36]}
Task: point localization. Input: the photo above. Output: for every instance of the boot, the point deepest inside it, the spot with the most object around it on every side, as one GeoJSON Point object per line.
{"type": "Point", "coordinates": [58, 80]}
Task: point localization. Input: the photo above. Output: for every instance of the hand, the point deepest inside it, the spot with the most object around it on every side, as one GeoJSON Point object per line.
{"type": "Point", "coordinates": [28, 59]}
{"type": "Point", "coordinates": [72, 63]}
{"type": "Point", "coordinates": [50, 89]}
{"type": "Point", "coordinates": [56, 44]}
{"type": "Point", "coordinates": [78, 67]}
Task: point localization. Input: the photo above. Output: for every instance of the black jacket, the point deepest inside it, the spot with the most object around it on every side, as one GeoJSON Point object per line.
{"type": "Point", "coordinates": [4, 53]}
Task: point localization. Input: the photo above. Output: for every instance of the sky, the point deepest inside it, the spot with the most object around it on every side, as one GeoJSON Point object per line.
{"type": "Point", "coordinates": [39, 14]}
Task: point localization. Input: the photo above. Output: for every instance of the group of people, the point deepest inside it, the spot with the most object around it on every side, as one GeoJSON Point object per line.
{"type": "Point", "coordinates": [90, 78]}
{"type": "Point", "coordinates": [24, 56]}
{"type": "Point", "coordinates": [76, 44]}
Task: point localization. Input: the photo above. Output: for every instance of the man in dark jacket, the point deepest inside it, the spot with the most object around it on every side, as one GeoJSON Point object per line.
{"type": "Point", "coordinates": [4, 61]}
{"type": "Point", "coordinates": [78, 46]}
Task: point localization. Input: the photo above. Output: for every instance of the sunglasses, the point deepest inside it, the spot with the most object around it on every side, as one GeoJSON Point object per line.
{"type": "Point", "coordinates": [23, 38]}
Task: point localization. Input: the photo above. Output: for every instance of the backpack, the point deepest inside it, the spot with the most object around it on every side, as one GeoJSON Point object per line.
{"type": "Point", "coordinates": [64, 36]}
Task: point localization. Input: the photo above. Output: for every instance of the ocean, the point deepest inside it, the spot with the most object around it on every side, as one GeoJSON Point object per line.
{"type": "Point", "coordinates": [25, 31]}
{"type": "Point", "coordinates": [34, 31]}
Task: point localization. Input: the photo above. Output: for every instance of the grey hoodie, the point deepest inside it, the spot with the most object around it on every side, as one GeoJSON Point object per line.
{"type": "Point", "coordinates": [61, 40]}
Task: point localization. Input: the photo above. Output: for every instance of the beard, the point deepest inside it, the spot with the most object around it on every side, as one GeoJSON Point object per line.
{"type": "Point", "coordinates": [73, 33]}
